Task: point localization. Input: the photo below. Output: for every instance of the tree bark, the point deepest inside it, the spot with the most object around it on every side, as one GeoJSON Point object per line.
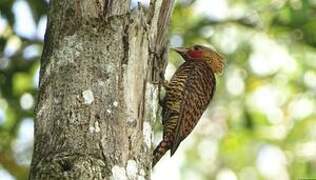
{"type": "Point", "coordinates": [96, 99]}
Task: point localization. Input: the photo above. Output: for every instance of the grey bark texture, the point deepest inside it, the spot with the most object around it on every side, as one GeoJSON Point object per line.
{"type": "Point", "coordinates": [96, 99]}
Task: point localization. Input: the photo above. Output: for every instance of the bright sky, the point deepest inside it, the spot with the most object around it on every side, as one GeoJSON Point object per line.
{"type": "Point", "coordinates": [215, 9]}
{"type": "Point", "coordinates": [24, 24]}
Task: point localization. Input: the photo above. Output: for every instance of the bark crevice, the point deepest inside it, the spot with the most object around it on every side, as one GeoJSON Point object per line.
{"type": "Point", "coordinates": [96, 102]}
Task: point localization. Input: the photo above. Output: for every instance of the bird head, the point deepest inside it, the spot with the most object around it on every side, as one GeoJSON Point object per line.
{"type": "Point", "coordinates": [198, 52]}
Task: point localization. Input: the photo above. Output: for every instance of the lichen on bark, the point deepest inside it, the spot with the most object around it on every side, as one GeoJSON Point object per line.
{"type": "Point", "coordinates": [96, 101]}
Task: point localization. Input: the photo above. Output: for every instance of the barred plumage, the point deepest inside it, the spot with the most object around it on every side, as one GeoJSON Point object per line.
{"type": "Point", "coordinates": [187, 96]}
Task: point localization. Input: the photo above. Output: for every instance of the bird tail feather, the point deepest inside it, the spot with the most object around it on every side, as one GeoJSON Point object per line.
{"type": "Point", "coordinates": [160, 150]}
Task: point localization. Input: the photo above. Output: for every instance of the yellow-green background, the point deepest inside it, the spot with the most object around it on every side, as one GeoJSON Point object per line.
{"type": "Point", "coordinates": [262, 121]}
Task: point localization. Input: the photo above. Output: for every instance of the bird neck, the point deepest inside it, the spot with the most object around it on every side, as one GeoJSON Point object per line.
{"type": "Point", "coordinates": [216, 65]}
{"type": "Point", "coordinates": [207, 62]}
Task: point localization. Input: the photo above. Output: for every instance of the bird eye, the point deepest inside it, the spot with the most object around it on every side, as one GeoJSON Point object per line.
{"type": "Point", "coordinates": [196, 47]}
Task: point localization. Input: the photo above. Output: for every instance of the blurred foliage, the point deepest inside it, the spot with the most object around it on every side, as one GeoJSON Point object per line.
{"type": "Point", "coordinates": [19, 63]}
{"type": "Point", "coordinates": [262, 120]}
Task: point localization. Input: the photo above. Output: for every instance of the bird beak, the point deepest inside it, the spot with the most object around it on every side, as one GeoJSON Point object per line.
{"type": "Point", "coordinates": [180, 50]}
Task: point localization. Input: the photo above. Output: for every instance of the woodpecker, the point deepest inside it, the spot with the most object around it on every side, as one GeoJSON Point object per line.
{"type": "Point", "coordinates": [188, 94]}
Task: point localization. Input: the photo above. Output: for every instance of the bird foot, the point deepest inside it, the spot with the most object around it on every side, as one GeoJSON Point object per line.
{"type": "Point", "coordinates": [164, 83]}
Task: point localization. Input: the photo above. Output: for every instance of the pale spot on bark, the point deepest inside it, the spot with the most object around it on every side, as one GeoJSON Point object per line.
{"type": "Point", "coordinates": [101, 83]}
{"type": "Point", "coordinates": [91, 129]}
{"type": "Point", "coordinates": [130, 120]}
{"type": "Point", "coordinates": [140, 178]}
{"type": "Point", "coordinates": [131, 169]}
{"type": "Point", "coordinates": [109, 111]}
{"type": "Point", "coordinates": [77, 53]}
{"type": "Point", "coordinates": [115, 103]}
{"type": "Point", "coordinates": [142, 172]}
{"type": "Point", "coordinates": [88, 96]}
{"type": "Point", "coordinates": [118, 173]}
{"type": "Point", "coordinates": [147, 134]}
{"type": "Point", "coordinates": [95, 129]}
{"type": "Point", "coordinates": [56, 100]}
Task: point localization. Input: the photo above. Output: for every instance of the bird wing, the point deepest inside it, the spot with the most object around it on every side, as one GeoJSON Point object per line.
{"type": "Point", "coordinates": [198, 92]}
{"type": "Point", "coordinates": [174, 92]}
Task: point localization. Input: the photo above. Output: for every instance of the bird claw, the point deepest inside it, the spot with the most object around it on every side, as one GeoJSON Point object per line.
{"type": "Point", "coordinates": [164, 83]}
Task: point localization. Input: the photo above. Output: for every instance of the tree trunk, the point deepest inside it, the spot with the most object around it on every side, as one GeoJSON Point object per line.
{"type": "Point", "coordinates": [96, 99]}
